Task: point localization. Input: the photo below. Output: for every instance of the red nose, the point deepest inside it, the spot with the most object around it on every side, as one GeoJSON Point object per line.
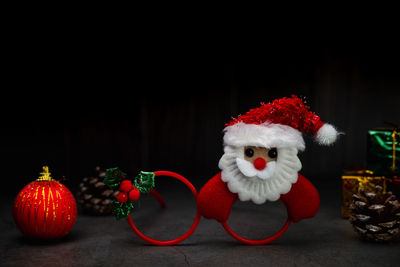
{"type": "Point", "coordinates": [259, 164]}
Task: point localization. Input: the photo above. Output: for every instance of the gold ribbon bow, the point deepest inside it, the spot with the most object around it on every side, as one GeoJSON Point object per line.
{"type": "Point", "coordinates": [395, 132]}
{"type": "Point", "coordinates": [394, 149]}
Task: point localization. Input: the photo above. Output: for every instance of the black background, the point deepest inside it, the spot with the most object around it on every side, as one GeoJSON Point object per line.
{"type": "Point", "coordinates": [73, 111]}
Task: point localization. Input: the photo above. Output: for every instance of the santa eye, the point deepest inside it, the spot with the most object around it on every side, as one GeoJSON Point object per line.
{"type": "Point", "coordinates": [272, 153]}
{"type": "Point", "coordinates": [249, 152]}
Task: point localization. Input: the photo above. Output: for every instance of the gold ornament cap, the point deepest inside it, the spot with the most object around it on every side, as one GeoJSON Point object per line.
{"type": "Point", "coordinates": [45, 175]}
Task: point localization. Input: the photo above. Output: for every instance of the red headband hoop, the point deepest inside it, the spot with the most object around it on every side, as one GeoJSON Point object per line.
{"type": "Point", "coordinates": [162, 202]}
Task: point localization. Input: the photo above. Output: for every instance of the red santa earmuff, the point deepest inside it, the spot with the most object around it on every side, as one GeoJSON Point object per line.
{"type": "Point", "coordinates": [260, 163]}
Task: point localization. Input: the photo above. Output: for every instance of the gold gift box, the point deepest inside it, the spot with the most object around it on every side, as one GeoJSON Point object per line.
{"type": "Point", "coordinates": [353, 181]}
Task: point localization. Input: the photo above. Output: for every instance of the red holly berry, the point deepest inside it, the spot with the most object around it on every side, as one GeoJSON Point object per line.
{"type": "Point", "coordinates": [134, 194]}
{"type": "Point", "coordinates": [125, 186]}
{"type": "Point", "coordinates": [122, 197]}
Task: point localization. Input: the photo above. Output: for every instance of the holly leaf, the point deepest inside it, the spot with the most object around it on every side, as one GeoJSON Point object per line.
{"type": "Point", "coordinates": [121, 210]}
{"type": "Point", "coordinates": [113, 177]}
{"type": "Point", "coordinates": [144, 182]}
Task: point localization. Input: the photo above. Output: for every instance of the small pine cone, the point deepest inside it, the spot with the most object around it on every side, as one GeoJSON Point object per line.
{"type": "Point", "coordinates": [375, 215]}
{"type": "Point", "coordinates": [94, 196]}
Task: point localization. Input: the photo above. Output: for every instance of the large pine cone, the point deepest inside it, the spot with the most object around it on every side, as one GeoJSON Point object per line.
{"type": "Point", "coordinates": [375, 215]}
{"type": "Point", "coordinates": [94, 196]}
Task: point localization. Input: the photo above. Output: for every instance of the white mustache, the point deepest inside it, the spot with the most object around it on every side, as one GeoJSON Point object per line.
{"type": "Point", "coordinates": [248, 169]}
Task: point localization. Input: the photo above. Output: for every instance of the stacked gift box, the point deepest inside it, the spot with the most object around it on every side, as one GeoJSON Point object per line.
{"type": "Point", "coordinates": [383, 167]}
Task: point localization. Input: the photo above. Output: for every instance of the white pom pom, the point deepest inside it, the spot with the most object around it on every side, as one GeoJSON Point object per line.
{"type": "Point", "coordinates": [326, 135]}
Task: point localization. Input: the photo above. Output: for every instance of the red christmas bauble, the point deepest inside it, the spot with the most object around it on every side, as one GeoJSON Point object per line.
{"type": "Point", "coordinates": [45, 208]}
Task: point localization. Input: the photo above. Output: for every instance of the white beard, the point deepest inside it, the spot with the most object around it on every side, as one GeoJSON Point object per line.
{"type": "Point", "coordinates": [247, 168]}
{"type": "Point", "coordinates": [259, 186]}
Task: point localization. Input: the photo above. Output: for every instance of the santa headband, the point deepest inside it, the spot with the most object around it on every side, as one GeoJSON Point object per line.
{"type": "Point", "coordinates": [278, 124]}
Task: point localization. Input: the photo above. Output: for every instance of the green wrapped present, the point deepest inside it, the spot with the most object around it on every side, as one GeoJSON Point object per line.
{"type": "Point", "coordinates": [383, 151]}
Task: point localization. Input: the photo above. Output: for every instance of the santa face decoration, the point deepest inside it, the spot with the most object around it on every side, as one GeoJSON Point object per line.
{"type": "Point", "coordinates": [274, 129]}
{"type": "Point", "coordinates": [259, 174]}
{"type": "Point", "coordinates": [261, 177]}
{"type": "Point", "coordinates": [260, 163]}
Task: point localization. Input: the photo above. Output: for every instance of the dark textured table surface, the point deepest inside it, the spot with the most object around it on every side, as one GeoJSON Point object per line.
{"type": "Point", "coordinates": [326, 240]}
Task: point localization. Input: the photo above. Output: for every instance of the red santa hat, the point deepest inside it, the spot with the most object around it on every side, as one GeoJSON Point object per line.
{"type": "Point", "coordinates": [278, 124]}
